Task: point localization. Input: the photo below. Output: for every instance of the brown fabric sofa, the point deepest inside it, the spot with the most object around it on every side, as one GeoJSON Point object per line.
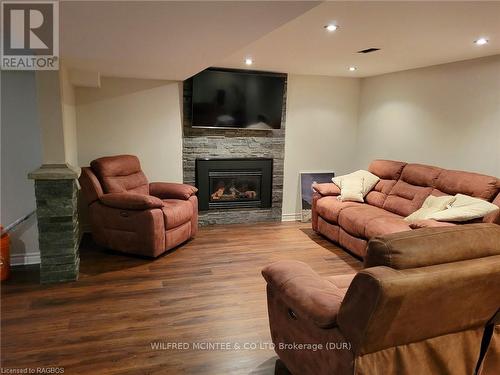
{"type": "Point", "coordinates": [490, 363]}
{"type": "Point", "coordinates": [423, 306]}
{"type": "Point", "coordinates": [129, 214]}
{"type": "Point", "coordinates": [401, 190]}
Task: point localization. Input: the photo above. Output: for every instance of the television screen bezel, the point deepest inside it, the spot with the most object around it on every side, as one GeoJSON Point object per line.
{"type": "Point", "coordinates": [284, 76]}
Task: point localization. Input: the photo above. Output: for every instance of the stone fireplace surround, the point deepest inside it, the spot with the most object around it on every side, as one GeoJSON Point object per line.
{"type": "Point", "coordinates": [200, 143]}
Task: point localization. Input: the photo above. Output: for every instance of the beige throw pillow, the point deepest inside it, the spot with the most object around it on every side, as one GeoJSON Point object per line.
{"type": "Point", "coordinates": [465, 208]}
{"type": "Point", "coordinates": [430, 206]}
{"type": "Point", "coordinates": [369, 180]}
{"type": "Point", "coordinates": [351, 189]}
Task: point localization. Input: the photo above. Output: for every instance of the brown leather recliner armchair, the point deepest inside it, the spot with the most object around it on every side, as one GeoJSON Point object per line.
{"type": "Point", "coordinates": [423, 305]}
{"type": "Point", "coordinates": [129, 214]}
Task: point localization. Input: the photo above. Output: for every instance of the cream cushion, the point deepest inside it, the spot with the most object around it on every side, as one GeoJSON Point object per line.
{"type": "Point", "coordinates": [368, 180]}
{"type": "Point", "coordinates": [465, 208]}
{"type": "Point", "coordinates": [430, 206]}
{"type": "Point", "coordinates": [351, 189]}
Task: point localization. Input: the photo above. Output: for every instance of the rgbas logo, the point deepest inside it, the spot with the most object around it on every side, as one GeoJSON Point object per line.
{"type": "Point", "coordinates": [30, 35]}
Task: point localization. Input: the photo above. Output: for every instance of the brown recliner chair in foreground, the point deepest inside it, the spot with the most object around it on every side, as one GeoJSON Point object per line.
{"type": "Point", "coordinates": [129, 214]}
{"type": "Point", "coordinates": [423, 305]}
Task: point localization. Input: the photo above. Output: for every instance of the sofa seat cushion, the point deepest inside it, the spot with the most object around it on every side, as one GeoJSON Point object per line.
{"type": "Point", "coordinates": [176, 212]}
{"type": "Point", "coordinates": [330, 207]}
{"type": "Point", "coordinates": [386, 225]}
{"type": "Point", "coordinates": [354, 220]}
{"type": "Point", "coordinates": [341, 282]}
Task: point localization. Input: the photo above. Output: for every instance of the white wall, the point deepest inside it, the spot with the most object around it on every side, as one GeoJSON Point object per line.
{"type": "Point", "coordinates": [49, 107]}
{"type": "Point", "coordinates": [57, 117]}
{"type": "Point", "coordinates": [68, 104]}
{"type": "Point", "coordinates": [321, 121]}
{"type": "Point", "coordinates": [21, 153]}
{"type": "Point", "coordinates": [132, 116]}
{"type": "Point", "coordinates": [445, 115]}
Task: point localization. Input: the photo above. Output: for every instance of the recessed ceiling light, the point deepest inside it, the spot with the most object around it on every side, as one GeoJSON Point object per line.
{"type": "Point", "coordinates": [481, 41]}
{"type": "Point", "coordinates": [331, 27]}
{"type": "Point", "coordinates": [248, 61]}
{"type": "Point", "coordinates": [352, 68]}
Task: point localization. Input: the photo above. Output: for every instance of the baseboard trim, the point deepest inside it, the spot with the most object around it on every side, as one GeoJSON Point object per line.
{"type": "Point", "coordinates": [24, 259]}
{"type": "Point", "coordinates": [291, 217]}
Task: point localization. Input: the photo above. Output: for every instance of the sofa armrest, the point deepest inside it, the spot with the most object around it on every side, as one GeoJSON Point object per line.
{"type": "Point", "coordinates": [431, 246]}
{"type": "Point", "coordinates": [325, 189]}
{"type": "Point", "coordinates": [307, 294]}
{"type": "Point", "coordinates": [170, 190]}
{"type": "Point", "coordinates": [130, 201]}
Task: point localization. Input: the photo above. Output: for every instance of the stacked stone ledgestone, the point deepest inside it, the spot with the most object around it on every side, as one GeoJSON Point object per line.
{"type": "Point", "coordinates": [59, 236]}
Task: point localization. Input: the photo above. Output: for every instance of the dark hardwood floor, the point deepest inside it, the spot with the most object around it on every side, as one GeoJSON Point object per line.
{"type": "Point", "coordinates": [208, 291]}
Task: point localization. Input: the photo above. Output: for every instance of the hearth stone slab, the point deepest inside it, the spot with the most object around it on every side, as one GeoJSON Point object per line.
{"type": "Point", "coordinates": [234, 216]}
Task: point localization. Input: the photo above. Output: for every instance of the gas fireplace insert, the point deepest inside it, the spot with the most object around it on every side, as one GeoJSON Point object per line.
{"type": "Point", "coordinates": [234, 183]}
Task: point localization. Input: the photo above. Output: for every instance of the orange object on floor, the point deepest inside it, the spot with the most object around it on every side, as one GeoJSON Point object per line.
{"type": "Point", "coordinates": [4, 256]}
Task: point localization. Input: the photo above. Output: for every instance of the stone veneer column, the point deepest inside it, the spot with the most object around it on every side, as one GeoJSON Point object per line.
{"type": "Point", "coordinates": [56, 189]}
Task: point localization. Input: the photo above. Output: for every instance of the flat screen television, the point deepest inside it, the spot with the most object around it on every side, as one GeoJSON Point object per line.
{"type": "Point", "coordinates": [237, 99]}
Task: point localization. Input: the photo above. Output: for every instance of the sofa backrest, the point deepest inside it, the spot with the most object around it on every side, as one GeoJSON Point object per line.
{"type": "Point", "coordinates": [414, 185]}
{"type": "Point", "coordinates": [120, 174]}
{"type": "Point", "coordinates": [389, 172]}
{"type": "Point", "coordinates": [468, 183]}
{"type": "Point", "coordinates": [404, 187]}
{"type": "Point", "coordinates": [385, 308]}
{"type": "Point", "coordinates": [431, 246]}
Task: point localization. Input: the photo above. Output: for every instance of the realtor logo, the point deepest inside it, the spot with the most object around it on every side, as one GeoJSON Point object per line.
{"type": "Point", "coordinates": [30, 35]}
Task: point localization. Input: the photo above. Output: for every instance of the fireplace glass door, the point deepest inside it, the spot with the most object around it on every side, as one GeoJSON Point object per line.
{"type": "Point", "coordinates": [240, 188]}
{"type": "Point", "coordinates": [234, 183]}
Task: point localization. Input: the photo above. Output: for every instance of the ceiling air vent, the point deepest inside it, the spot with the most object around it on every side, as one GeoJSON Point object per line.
{"type": "Point", "coordinates": [369, 50]}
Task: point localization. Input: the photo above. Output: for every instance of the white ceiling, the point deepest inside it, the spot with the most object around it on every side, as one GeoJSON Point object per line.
{"type": "Point", "coordinates": [409, 34]}
{"type": "Point", "coordinates": [164, 39]}
{"type": "Point", "coordinates": [174, 40]}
